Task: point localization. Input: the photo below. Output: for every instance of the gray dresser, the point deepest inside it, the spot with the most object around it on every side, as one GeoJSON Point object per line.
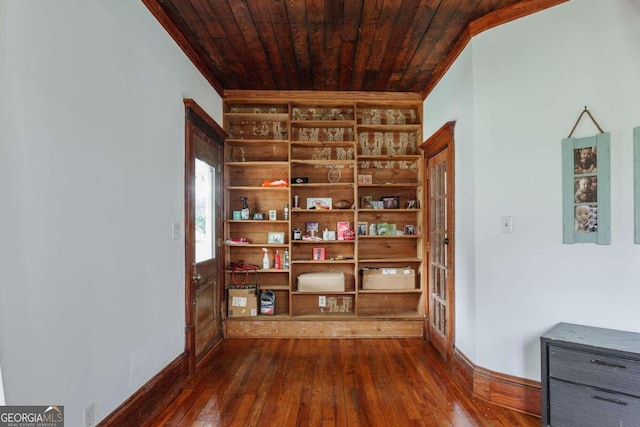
{"type": "Point", "coordinates": [590, 377]}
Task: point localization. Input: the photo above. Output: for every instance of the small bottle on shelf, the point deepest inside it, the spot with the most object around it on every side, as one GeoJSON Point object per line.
{"type": "Point", "coordinates": [286, 211]}
{"type": "Point", "coordinates": [286, 259]}
{"type": "Point", "coordinates": [266, 262]}
{"type": "Point", "coordinates": [277, 263]}
{"type": "Point", "coordinates": [244, 213]}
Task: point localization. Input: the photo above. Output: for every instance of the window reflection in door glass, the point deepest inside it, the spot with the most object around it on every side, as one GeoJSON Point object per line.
{"type": "Point", "coordinates": [205, 214]}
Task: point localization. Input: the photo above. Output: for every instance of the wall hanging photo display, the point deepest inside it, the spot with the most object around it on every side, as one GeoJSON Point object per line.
{"type": "Point", "coordinates": [586, 187]}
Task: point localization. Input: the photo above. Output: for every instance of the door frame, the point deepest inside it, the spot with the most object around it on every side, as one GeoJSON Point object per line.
{"type": "Point", "coordinates": [442, 139]}
{"type": "Point", "coordinates": [195, 117]}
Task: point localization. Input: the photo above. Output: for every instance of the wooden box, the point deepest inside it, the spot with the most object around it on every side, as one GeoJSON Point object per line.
{"type": "Point", "coordinates": [389, 278]}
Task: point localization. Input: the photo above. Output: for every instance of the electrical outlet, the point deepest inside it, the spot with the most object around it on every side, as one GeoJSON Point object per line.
{"type": "Point", "coordinates": [322, 301]}
{"type": "Point", "coordinates": [90, 415]}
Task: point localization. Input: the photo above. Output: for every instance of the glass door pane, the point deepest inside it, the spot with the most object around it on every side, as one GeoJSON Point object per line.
{"type": "Point", "coordinates": [205, 212]}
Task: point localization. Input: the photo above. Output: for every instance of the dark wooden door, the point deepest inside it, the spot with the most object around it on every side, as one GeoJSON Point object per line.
{"type": "Point", "coordinates": [440, 221]}
{"type": "Point", "coordinates": [204, 217]}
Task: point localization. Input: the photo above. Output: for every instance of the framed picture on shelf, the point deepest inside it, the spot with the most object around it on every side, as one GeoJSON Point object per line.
{"type": "Point", "coordinates": [312, 229]}
{"type": "Point", "coordinates": [365, 202]}
{"type": "Point", "coordinates": [391, 202]}
{"type": "Point", "coordinates": [319, 202]}
{"type": "Point", "coordinates": [342, 228]}
{"type": "Point", "coordinates": [319, 254]}
{"type": "Point", "coordinates": [391, 230]}
{"type": "Point", "coordinates": [373, 229]}
{"type": "Point", "coordinates": [382, 229]}
{"type": "Point", "coordinates": [362, 228]}
{"type": "Point", "coordinates": [409, 230]}
{"type": "Point", "coordinates": [411, 204]}
{"type": "Point", "coordinates": [365, 180]}
{"type": "Point", "coordinates": [377, 204]}
{"type": "Point", "coordinates": [275, 238]}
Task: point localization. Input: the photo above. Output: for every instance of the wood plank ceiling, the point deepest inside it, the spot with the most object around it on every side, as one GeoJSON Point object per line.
{"type": "Point", "coordinates": [329, 45]}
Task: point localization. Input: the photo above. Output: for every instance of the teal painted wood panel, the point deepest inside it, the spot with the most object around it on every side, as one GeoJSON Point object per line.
{"type": "Point", "coordinates": [636, 184]}
{"type": "Point", "coordinates": [604, 188]}
{"type": "Point", "coordinates": [568, 232]}
{"type": "Point", "coordinates": [586, 190]}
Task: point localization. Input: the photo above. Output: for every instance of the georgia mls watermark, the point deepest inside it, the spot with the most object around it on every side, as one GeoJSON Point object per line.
{"type": "Point", "coordinates": [31, 416]}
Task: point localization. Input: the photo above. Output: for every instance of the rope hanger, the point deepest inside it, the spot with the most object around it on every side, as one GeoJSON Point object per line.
{"type": "Point", "coordinates": [580, 117]}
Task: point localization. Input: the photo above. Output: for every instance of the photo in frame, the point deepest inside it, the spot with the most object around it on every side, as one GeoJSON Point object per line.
{"type": "Point", "coordinates": [362, 228]}
{"type": "Point", "coordinates": [391, 202]}
{"type": "Point", "coordinates": [365, 180]}
{"type": "Point", "coordinates": [275, 238]}
{"type": "Point", "coordinates": [365, 202]}
{"type": "Point", "coordinates": [319, 203]}
{"type": "Point", "coordinates": [586, 189]}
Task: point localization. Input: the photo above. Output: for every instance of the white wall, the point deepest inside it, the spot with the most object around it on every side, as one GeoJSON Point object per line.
{"type": "Point", "coordinates": [91, 284]}
{"type": "Point", "coordinates": [531, 80]}
{"type": "Point", "coordinates": [452, 100]}
{"type": "Point", "coordinates": [3, 151]}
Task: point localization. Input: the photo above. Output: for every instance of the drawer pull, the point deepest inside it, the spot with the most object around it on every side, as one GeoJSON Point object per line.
{"type": "Point", "coordinates": [607, 399]}
{"type": "Point", "coordinates": [609, 364]}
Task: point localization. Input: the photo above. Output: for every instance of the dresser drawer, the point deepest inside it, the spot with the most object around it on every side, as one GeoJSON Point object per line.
{"type": "Point", "coordinates": [581, 406]}
{"type": "Point", "coordinates": [609, 372]}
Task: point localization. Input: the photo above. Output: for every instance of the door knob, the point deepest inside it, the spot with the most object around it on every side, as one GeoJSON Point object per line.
{"type": "Point", "coordinates": [446, 240]}
{"type": "Point", "coordinates": [197, 277]}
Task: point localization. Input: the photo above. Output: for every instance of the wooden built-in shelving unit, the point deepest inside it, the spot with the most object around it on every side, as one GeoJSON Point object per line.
{"type": "Point", "coordinates": [330, 139]}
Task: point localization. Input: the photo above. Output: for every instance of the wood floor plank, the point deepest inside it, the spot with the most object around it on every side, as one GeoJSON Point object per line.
{"type": "Point", "coordinates": [330, 383]}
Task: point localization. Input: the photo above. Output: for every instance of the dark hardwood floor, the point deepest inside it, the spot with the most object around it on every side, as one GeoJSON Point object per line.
{"type": "Point", "coordinates": [340, 382]}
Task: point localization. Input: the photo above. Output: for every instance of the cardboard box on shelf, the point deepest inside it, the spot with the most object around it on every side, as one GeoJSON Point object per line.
{"type": "Point", "coordinates": [242, 301]}
{"type": "Point", "coordinates": [331, 281]}
{"type": "Point", "coordinates": [388, 278]}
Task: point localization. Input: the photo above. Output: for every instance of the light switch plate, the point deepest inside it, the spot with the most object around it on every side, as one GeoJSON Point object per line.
{"type": "Point", "coordinates": [176, 228]}
{"type": "Point", "coordinates": [507, 224]}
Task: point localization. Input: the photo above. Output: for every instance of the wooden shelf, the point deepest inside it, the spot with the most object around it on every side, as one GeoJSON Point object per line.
{"type": "Point", "coordinates": [368, 210]}
{"type": "Point", "coordinates": [389, 260]}
{"type": "Point", "coordinates": [261, 221]}
{"type": "Point", "coordinates": [398, 315]}
{"type": "Point", "coordinates": [247, 188]}
{"type": "Point", "coordinates": [389, 291]}
{"type": "Point", "coordinates": [324, 293]}
{"type": "Point", "coordinates": [406, 236]}
{"type": "Point", "coordinates": [257, 117]}
{"type": "Point", "coordinates": [275, 287]}
{"type": "Point", "coordinates": [254, 164]}
{"type": "Point", "coordinates": [255, 141]}
{"type": "Point", "coordinates": [324, 242]}
{"type": "Point", "coordinates": [322, 123]}
{"type": "Point", "coordinates": [389, 128]}
{"type": "Point", "coordinates": [323, 162]}
{"type": "Point", "coordinates": [403, 157]}
{"type": "Point", "coordinates": [257, 245]}
{"type": "Point", "coordinates": [391, 185]}
{"type": "Point", "coordinates": [324, 185]}
{"type": "Point", "coordinates": [261, 270]}
{"type": "Point", "coordinates": [333, 316]}
{"type": "Point", "coordinates": [321, 143]}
